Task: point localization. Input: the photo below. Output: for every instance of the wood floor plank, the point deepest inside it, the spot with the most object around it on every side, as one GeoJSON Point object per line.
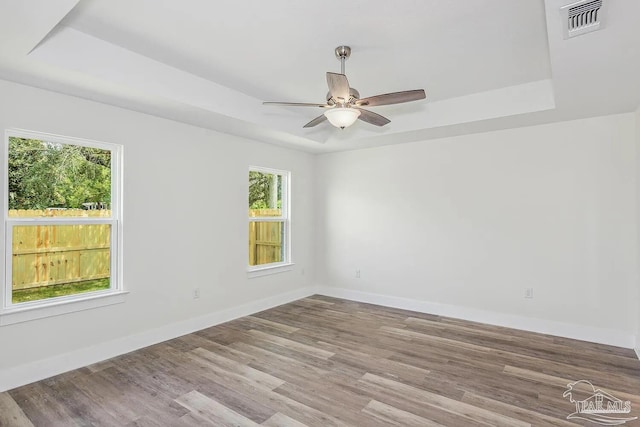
{"type": "Point", "coordinates": [134, 393]}
{"type": "Point", "coordinates": [346, 337]}
{"type": "Point", "coordinates": [512, 411]}
{"type": "Point", "coordinates": [278, 402]}
{"type": "Point", "coordinates": [184, 421]}
{"type": "Point", "coordinates": [283, 367]}
{"type": "Point", "coordinates": [609, 380]}
{"type": "Point", "coordinates": [11, 414]}
{"type": "Point", "coordinates": [420, 337]}
{"type": "Point", "coordinates": [194, 420]}
{"type": "Point", "coordinates": [303, 348]}
{"type": "Point", "coordinates": [346, 409]}
{"type": "Point", "coordinates": [79, 406]}
{"type": "Point", "coordinates": [429, 412]}
{"type": "Point", "coordinates": [315, 300]}
{"type": "Point", "coordinates": [446, 404]}
{"type": "Point", "coordinates": [374, 364]}
{"type": "Point", "coordinates": [214, 371]}
{"type": "Point", "coordinates": [208, 409]}
{"type": "Point", "coordinates": [396, 417]}
{"type": "Point", "coordinates": [97, 367]}
{"type": "Point", "coordinates": [537, 345]}
{"type": "Point", "coordinates": [561, 383]}
{"type": "Point", "coordinates": [327, 362]}
{"type": "Point", "coordinates": [240, 401]}
{"type": "Point", "coordinates": [275, 325]}
{"type": "Point", "coordinates": [281, 420]}
{"type": "Point", "coordinates": [260, 378]}
{"type": "Point", "coordinates": [38, 406]}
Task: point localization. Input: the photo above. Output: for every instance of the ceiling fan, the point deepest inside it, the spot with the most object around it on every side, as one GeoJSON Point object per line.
{"type": "Point", "coordinates": [344, 105]}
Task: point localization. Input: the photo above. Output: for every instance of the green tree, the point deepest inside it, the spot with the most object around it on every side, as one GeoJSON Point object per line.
{"type": "Point", "coordinates": [264, 189]}
{"type": "Point", "coordinates": [44, 175]}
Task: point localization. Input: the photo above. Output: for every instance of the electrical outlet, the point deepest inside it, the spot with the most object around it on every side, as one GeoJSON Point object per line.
{"type": "Point", "coordinates": [357, 273]}
{"type": "Point", "coordinates": [528, 293]}
{"type": "Point", "coordinates": [196, 293]}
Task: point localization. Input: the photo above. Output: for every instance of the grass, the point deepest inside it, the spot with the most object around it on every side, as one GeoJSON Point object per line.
{"type": "Point", "coordinates": [44, 292]}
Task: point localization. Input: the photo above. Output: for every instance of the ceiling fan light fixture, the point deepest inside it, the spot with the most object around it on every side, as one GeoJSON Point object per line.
{"type": "Point", "coordinates": [344, 105]}
{"type": "Point", "coordinates": [342, 117]}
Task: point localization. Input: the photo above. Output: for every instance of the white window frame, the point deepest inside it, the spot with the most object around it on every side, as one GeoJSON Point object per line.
{"type": "Point", "coordinates": [13, 313]}
{"type": "Point", "coordinates": [285, 218]}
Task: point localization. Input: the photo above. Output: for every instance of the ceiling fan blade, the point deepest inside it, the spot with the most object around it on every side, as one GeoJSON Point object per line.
{"type": "Point", "coordinates": [296, 104]}
{"type": "Point", "coordinates": [373, 118]}
{"type": "Point", "coordinates": [338, 86]}
{"type": "Point", "coordinates": [392, 98]}
{"type": "Point", "coordinates": [316, 121]}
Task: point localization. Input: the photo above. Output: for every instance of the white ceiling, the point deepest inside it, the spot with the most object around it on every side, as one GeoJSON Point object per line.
{"type": "Point", "coordinates": [485, 64]}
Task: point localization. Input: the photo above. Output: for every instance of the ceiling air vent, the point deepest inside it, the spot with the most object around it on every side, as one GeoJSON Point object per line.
{"type": "Point", "coordinates": [582, 17]}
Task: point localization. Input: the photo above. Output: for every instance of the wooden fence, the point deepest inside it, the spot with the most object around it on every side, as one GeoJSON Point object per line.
{"type": "Point", "coordinates": [49, 213]}
{"type": "Point", "coordinates": [265, 238]}
{"type": "Point", "coordinates": [45, 255]}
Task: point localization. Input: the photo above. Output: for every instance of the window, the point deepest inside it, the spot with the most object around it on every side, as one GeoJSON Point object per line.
{"type": "Point", "coordinates": [268, 219]}
{"type": "Point", "coordinates": [62, 221]}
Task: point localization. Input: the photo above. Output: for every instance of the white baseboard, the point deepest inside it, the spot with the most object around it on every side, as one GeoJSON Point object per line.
{"type": "Point", "coordinates": [637, 350]}
{"type": "Point", "coordinates": [41, 369]}
{"type": "Point", "coordinates": [568, 330]}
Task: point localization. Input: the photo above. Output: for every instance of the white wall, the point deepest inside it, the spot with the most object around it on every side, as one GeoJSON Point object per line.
{"type": "Point", "coordinates": [185, 223]}
{"type": "Point", "coordinates": [472, 221]}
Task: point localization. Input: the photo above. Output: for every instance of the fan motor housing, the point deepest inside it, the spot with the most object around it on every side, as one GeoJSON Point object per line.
{"type": "Point", "coordinates": [353, 95]}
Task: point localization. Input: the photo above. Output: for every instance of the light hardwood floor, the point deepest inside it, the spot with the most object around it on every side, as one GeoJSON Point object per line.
{"type": "Point", "coordinates": [322, 361]}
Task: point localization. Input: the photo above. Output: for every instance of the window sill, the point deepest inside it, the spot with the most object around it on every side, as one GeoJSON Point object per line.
{"type": "Point", "coordinates": [55, 308]}
{"type": "Point", "coordinates": [269, 269]}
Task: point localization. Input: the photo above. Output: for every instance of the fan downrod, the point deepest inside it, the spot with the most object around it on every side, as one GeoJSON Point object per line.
{"type": "Point", "coordinates": [342, 53]}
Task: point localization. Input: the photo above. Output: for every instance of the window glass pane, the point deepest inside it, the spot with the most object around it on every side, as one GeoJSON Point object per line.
{"type": "Point", "coordinates": [265, 242]}
{"type": "Point", "coordinates": [265, 194]}
{"type": "Point", "coordinates": [53, 179]}
{"type": "Point", "coordinates": [59, 260]}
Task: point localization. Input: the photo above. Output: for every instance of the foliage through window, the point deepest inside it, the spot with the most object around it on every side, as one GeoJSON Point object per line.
{"type": "Point", "coordinates": [61, 218]}
{"type": "Point", "coordinates": [268, 217]}
{"type": "Point", "coordinates": [45, 175]}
